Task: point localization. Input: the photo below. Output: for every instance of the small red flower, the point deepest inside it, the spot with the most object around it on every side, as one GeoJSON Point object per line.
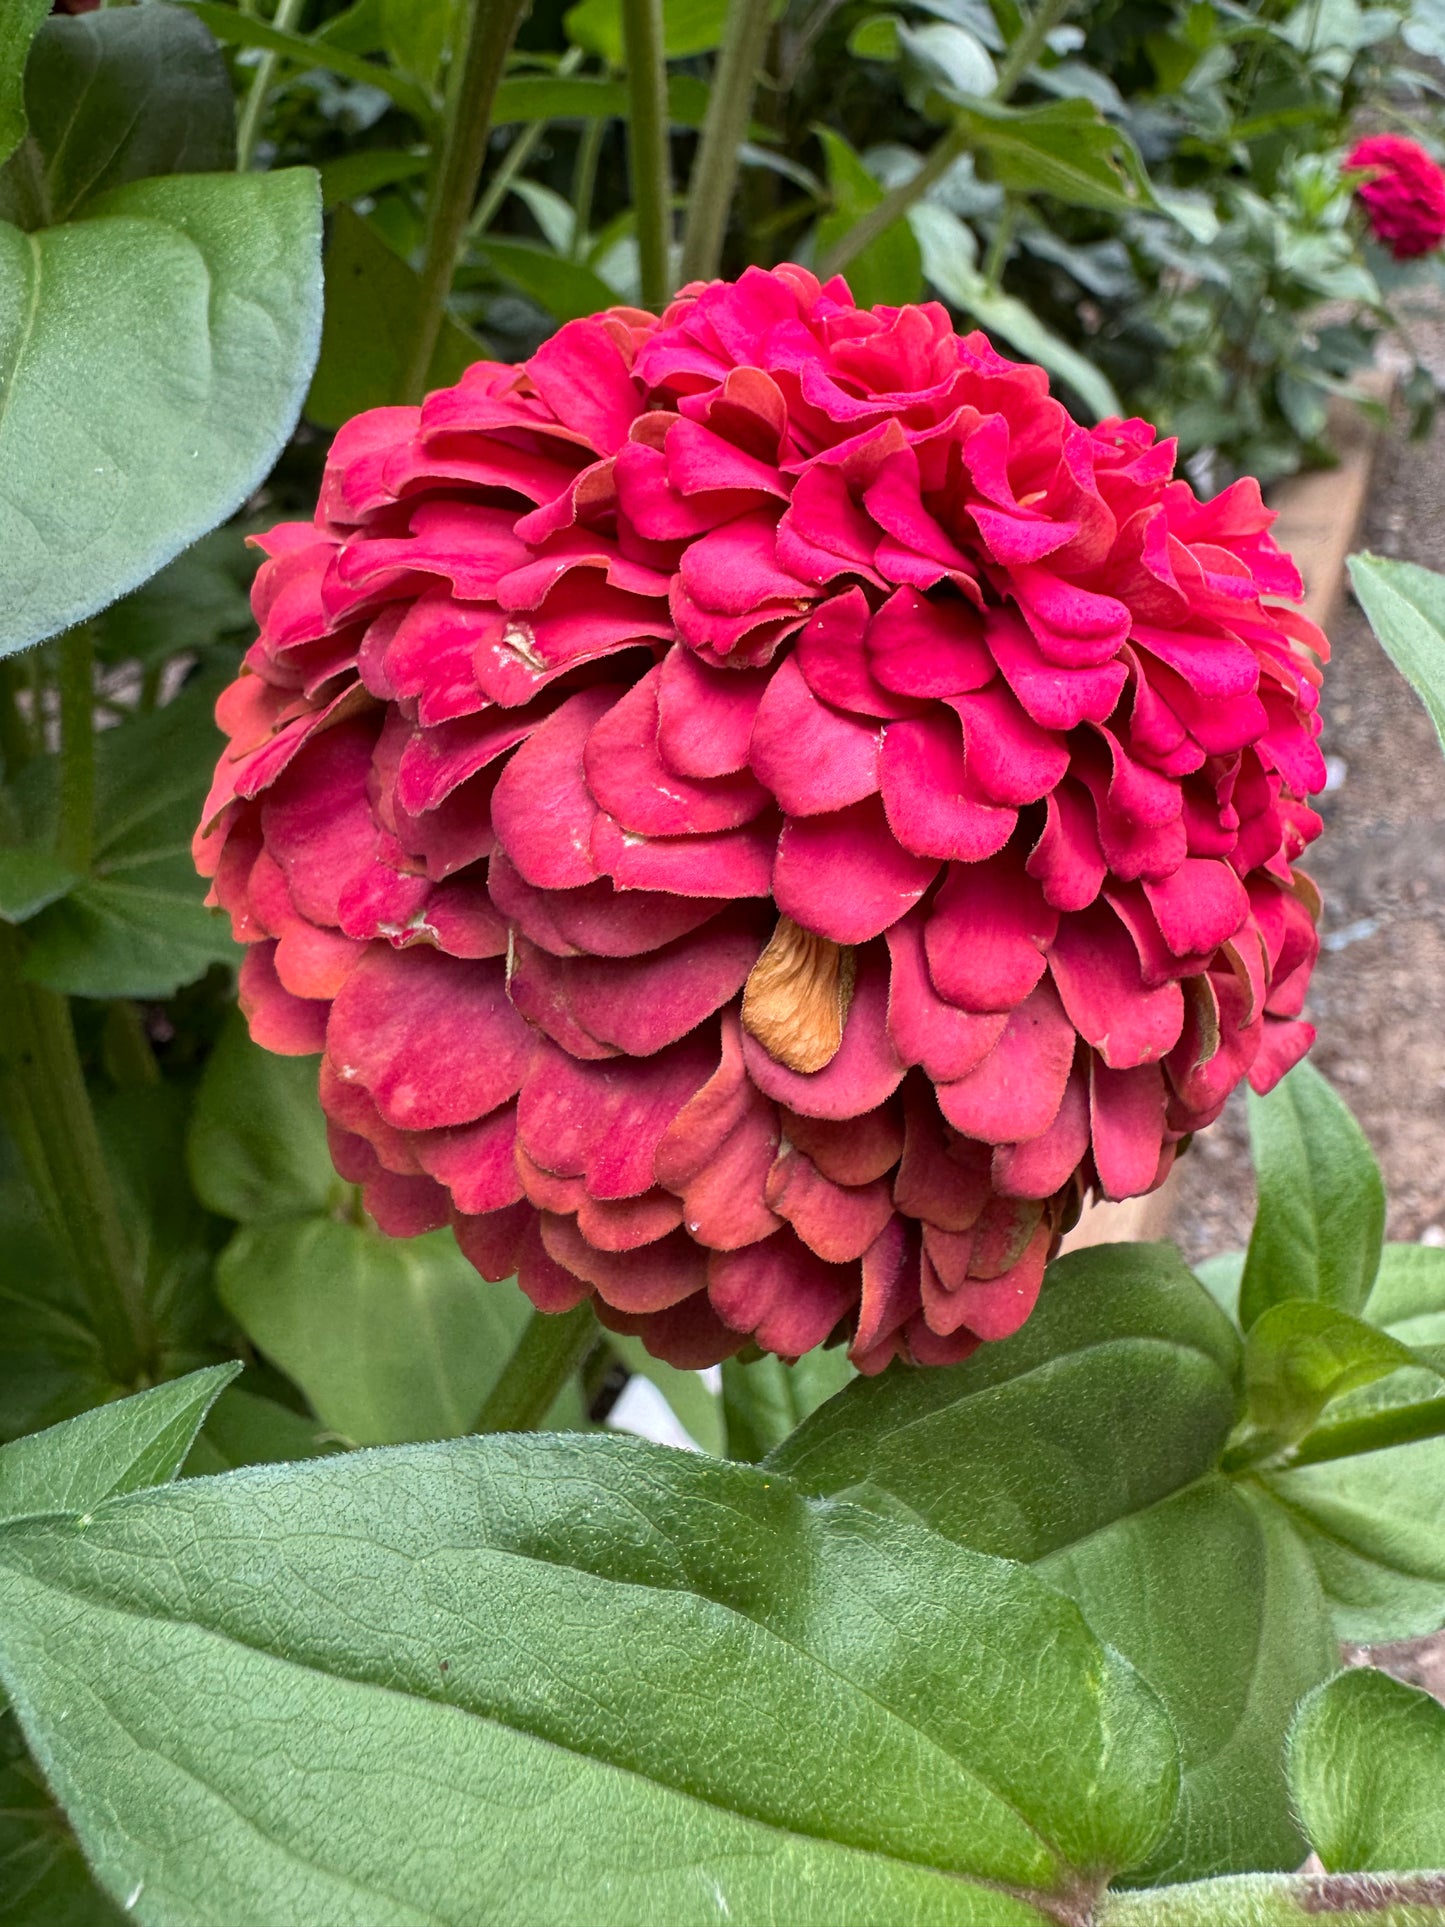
{"type": "Point", "coordinates": [761, 812]}
{"type": "Point", "coordinates": [1403, 193]}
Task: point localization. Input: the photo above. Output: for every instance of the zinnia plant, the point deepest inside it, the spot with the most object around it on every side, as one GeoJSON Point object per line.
{"type": "Point", "coordinates": [1402, 193]}
{"type": "Point", "coordinates": [763, 813]}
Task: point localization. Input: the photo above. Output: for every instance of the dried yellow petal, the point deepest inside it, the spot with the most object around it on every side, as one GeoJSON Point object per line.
{"type": "Point", "coordinates": [797, 995]}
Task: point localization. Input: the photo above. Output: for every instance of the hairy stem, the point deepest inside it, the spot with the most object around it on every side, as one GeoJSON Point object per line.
{"type": "Point", "coordinates": [647, 154]}
{"type": "Point", "coordinates": [1374, 1432]}
{"type": "Point", "coordinates": [715, 170]}
{"type": "Point", "coordinates": [75, 828]}
{"type": "Point", "coordinates": [1283, 1900]}
{"type": "Point", "coordinates": [517, 156]}
{"type": "Point", "coordinates": [248, 128]}
{"type": "Point", "coordinates": [550, 1349]}
{"type": "Point", "coordinates": [491, 30]}
{"type": "Point", "coordinates": [47, 1106]}
{"type": "Point", "coordinates": [948, 148]}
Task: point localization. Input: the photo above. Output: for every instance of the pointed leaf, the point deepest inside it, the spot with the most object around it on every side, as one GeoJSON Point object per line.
{"type": "Point", "coordinates": [1367, 1764]}
{"type": "Point", "coordinates": [1300, 1355]}
{"type": "Point", "coordinates": [1406, 608]}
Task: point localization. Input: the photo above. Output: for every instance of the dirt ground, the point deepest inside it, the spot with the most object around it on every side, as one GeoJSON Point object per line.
{"type": "Point", "coordinates": [1378, 995]}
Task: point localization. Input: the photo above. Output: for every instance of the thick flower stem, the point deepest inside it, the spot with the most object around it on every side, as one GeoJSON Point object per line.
{"type": "Point", "coordinates": [47, 1109]}
{"type": "Point", "coordinates": [1375, 1432]}
{"type": "Point", "coordinates": [647, 146]}
{"type": "Point", "coordinates": [715, 170]}
{"type": "Point", "coordinates": [949, 148]}
{"type": "Point", "coordinates": [550, 1349]}
{"type": "Point", "coordinates": [75, 829]}
{"type": "Point", "coordinates": [1283, 1900]}
{"type": "Point", "coordinates": [248, 131]}
{"type": "Point", "coordinates": [491, 30]}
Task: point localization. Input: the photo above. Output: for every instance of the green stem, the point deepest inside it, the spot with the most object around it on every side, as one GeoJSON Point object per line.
{"type": "Point", "coordinates": [550, 1349]}
{"type": "Point", "coordinates": [75, 830]}
{"type": "Point", "coordinates": [248, 128]}
{"type": "Point", "coordinates": [949, 148]}
{"type": "Point", "coordinates": [1374, 1432]}
{"type": "Point", "coordinates": [48, 1107]}
{"type": "Point", "coordinates": [1283, 1900]}
{"type": "Point", "coordinates": [998, 247]}
{"type": "Point", "coordinates": [126, 1048]}
{"type": "Point", "coordinates": [491, 30]}
{"type": "Point", "coordinates": [516, 158]}
{"type": "Point", "coordinates": [647, 154]}
{"type": "Point", "coordinates": [17, 731]}
{"type": "Point", "coordinates": [584, 182]}
{"type": "Point", "coordinates": [715, 169]}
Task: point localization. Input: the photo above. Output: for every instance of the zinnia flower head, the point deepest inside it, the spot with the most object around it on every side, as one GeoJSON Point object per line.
{"type": "Point", "coordinates": [762, 812]}
{"type": "Point", "coordinates": [1403, 193]}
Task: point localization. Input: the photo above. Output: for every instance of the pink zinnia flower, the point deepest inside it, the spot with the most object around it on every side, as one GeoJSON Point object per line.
{"type": "Point", "coordinates": [762, 812]}
{"type": "Point", "coordinates": [1403, 194]}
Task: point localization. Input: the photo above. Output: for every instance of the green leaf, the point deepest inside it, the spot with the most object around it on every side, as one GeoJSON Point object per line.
{"type": "Point", "coordinates": [245, 30]}
{"type": "Point", "coordinates": [554, 1679]}
{"type": "Point", "coordinates": [945, 59]}
{"type": "Point", "coordinates": [350, 176]}
{"type": "Point", "coordinates": [948, 249]}
{"type": "Point", "coordinates": [50, 1362]}
{"type": "Point", "coordinates": [244, 1429]}
{"type": "Point", "coordinates": [1065, 148]}
{"type": "Point", "coordinates": [20, 21]}
{"type": "Point", "coordinates": [153, 357]}
{"type": "Point", "coordinates": [1406, 608]}
{"type": "Point", "coordinates": [373, 299]}
{"type": "Point", "coordinates": [766, 1401]}
{"type": "Point", "coordinates": [29, 880]}
{"type": "Point", "coordinates": [390, 1339]}
{"type": "Point", "coordinates": [138, 925]}
{"type": "Point", "coordinates": [112, 97]}
{"type": "Point", "coordinates": [256, 1147]}
{"type": "Point", "coordinates": [1301, 1354]}
{"type": "Point", "coordinates": [875, 37]}
{"type": "Point", "coordinates": [688, 27]}
{"type": "Point", "coordinates": [188, 609]}
{"type": "Point", "coordinates": [1367, 1764]}
{"type": "Point", "coordinates": [566, 289]}
{"type": "Point", "coordinates": [1321, 1217]}
{"type": "Point", "coordinates": [47, 1883]}
{"type": "Point", "coordinates": [118, 1448]}
{"type": "Point", "coordinates": [890, 268]}
{"type": "Point", "coordinates": [416, 34]}
{"type": "Point", "coordinates": [1039, 1448]}
{"type": "Point", "coordinates": [1407, 1299]}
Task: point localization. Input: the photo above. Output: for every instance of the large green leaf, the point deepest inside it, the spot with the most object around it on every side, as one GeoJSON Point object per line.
{"type": "Point", "coordinates": [153, 357]}
{"type": "Point", "coordinates": [112, 97]}
{"type": "Point", "coordinates": [1406, 608]}
{"type": "Point", "coordinates": [137, 926]}
{"type": "Point", "coordinates": [1321, 1217]}
{"type": "Point", "coordinates": [1367, 1763]}
{"type": "Point", "coordinates": [1088, 1443]}
{"type": "Point", "coordinates": [390, 1339]}
{"type": "Point", "coordinates": [256, 1147]}
{"type": "Point", "coordinates": [1065, 148]}
{"type": "Point", "coordinates": [373, 299]}
{"type": "Point", "coordinates": [20, 20]}
{"type": "Point", "coordinates": [550, 1680]}
{"type": "Point", "coordinates": [114, 1449]}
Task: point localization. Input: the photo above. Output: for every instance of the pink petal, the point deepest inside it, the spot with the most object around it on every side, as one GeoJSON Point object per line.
{"type": "Point", "coordinates": [1074, 627]}
{"type": "Point", "coordinates": [552, 1287]}
{"type": "Point", "coordinates": [845, 875]}
{"type": "Point", "coordinates": [628, 778]}
{"type": "Point", "coordinates": [852, 1150]}
{"type": "Point", "coordinates": [604, 1121]}
{"type": "Point", "coordinates": [1067, 860]}
{"type": "Point", "coordinates": [783, 1294]}
{"type": "Point", "coordinates": [890, 1293]}
{"type": "Point", "coordinates": [733, 570]}
{"type": "Point", "coordinates": [1045, 1164]}
{"type": "Point", "coordinates": [1127, 1109]}
{"type": "Point", "coordinates": [595, 919]}
{"type": "Point", "coordinates": [624, 1224]}
{"type": "Point", "coordinates": [474, 1161]}
{"type": "Point", "coordinates": [947, 1042]}
{"type": "Point", "coordinates": [987, 935]}
{"type": "Point", "coordinates": [542, 809]}
{"type": "Point", "coordinates": [838, 1222]}
{"type": "Point", "coordinates": [491, 1244]}
{"type": "Point", "coordinates": [705, 715]}
{"type": "Point", "coordinates": [933, 805]}
{"type": "Point", "coordinates": [1097, 970]}
{"type": "Point", "coordinates": [1055, 697]}
{"type": "Point", "coordinates": [832, 657]}
{"type": "Point", "coordinates": [647, 1279]}
{"type": "Point", "coordinates": [314, 963]}
{"type": "Point", "coordinates": [942, 1179]}
{"type": "Point", "coordinates": [584, 381]}
{"type": "Point", "coordinates": [811, 757]}
{"type": "Point", "coordinates": [432, 1038]}
{"type": "Point", "coordinates": [1015, 1093]}
{"type": "Point", "coordinates": [729, 863]}
{"type": "Point", "coordinates": [1010, 759]}
{"type": "Point", "coordinates": [290, 1026]}
{"type": "Point", "coordinates": [922, 646]}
